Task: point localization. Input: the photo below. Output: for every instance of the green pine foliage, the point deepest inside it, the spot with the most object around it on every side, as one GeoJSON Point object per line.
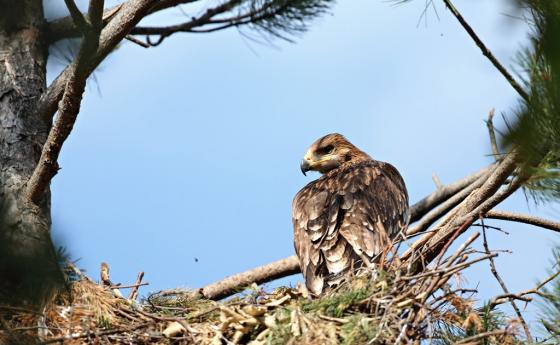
{"type": "Point", "coordinates": [536, 133]}
{"type": "Point", "coordinates": [550, 307]}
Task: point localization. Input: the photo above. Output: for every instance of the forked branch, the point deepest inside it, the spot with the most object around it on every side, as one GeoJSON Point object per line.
{"type": "Point", "coordinates": [70, 104]}
{"type": "Point", "coordinates": [70, 85]}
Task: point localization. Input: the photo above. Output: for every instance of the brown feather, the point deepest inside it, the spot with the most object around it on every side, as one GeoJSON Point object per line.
{"type": "Point", "coordinates": [346, 216]}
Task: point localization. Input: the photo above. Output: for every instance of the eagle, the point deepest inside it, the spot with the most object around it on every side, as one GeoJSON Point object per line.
{"type": "Point", "coordinates": [345, 219]}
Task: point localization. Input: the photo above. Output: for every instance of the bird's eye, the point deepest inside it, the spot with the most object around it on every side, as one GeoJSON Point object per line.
{"type": "Point", "coordinates": [328, 149]}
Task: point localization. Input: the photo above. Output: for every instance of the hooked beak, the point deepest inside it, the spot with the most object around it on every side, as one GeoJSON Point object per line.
{"type": "Point", "coordinates": [304, 166]}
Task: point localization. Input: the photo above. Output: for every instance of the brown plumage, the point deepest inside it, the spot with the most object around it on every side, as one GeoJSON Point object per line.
{"type": "Point", "coordinates": [345, 218]}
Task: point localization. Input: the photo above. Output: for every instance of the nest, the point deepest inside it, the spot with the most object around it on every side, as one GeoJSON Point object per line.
{"type": "Point", "coordinates": [390, 305]}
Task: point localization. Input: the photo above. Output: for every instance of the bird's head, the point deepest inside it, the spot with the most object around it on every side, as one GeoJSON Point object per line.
{"type": "Point", "coordinates": [329, 152]}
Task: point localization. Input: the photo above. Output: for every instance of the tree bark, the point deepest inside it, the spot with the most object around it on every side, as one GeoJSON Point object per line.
{"type": "Point", "coordinates": [28, 267]}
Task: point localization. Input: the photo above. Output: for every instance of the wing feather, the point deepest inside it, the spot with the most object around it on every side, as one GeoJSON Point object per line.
{"type": "Point", "coordinates": [347, 213]}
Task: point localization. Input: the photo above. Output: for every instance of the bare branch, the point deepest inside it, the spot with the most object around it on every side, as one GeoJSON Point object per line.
{"type": "Point", "coordinates": [458, 220]}
{"type": "Point", "coordinates": [137, 41]}
{"type": "Point", "coordinates": [259, 275]}
{"type": "Point", "coordinates": [524, 218]}
{"type": "Point", "coordinates": [500, 299]}
{"type": "Point", "coordinates": [492, 134]}
{"type": "Point", "coordinates": [503, 285]}
{"type": "Point", "coordinates": [485, 51]}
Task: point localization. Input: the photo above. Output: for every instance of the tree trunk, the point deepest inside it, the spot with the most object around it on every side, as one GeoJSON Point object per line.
{"type": "Point", "coordinates": [28, 267]}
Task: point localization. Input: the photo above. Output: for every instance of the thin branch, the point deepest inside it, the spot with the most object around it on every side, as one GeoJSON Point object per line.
{"type": "Point", "coordinates": [166, 31]}
{"type": "Point", "coordinates": [475, 338]}
{"type": "Point", "coordinates": [437, 181]}
{"type": "Point", "coordinates": [259, 275]}
{"type": "Point", "coordinates": [135, 285]}
{"type": "Point", "coordinates": [69, 107]}
{"type": "Point", "coordinates": [134, 292]}
{"type": "Point", "coordinates": [524, 218]}
{"type": "Point", "coordinates": [137, 41]}
{"type": "Point", "coordinates": [500, 299]}
{"type": "Point", "coordinates": [77, 16]}
{"type": "Point", "coordinates": [485, 51]}
{"type": "Point", "coordinates": [503, 285]}
{"type": "Point", "coordinates": [492, 135]}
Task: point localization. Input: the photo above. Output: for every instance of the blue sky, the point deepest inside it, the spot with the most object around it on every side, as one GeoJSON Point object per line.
{"type": "Point", "coordinates": [192, 149]}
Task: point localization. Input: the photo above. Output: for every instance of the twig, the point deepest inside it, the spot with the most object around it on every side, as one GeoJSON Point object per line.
{"type": "Point", "coordinates": [77, 16]}
{"type": "Point", "coordinates": [437, 181]}
{"type": "Point", "coordinates": [504, 287]}
{"type": "Point", "coordinates": [462, 248]}
{"type": "Point", "coordinates": [432, 216]}
{"type": "Point", "coordinates": [485, 51]}
{"type": "Point", "coordinates": [129, 286]}
{"type": "Point", "coordinates": [492, 135]}
{"type": "Point", "coordinates": [137, 41]}
{"type": "Point", "coordinates": [520, 295]}
{"type": "Point", "coordinates": [524, 218]}
{"type": "Point", "coordinates": [475, 338]}
{"type": "Point", "coordinates": [65, 27]}
{"type": "Point", "coordinates": [204, 19]}
{"type": "Point", "coordinates": [134, 292]}
{"type": "Point", "coordinates": [480, 201]}
{"type": "Point", "coordinates": [447, 270]}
